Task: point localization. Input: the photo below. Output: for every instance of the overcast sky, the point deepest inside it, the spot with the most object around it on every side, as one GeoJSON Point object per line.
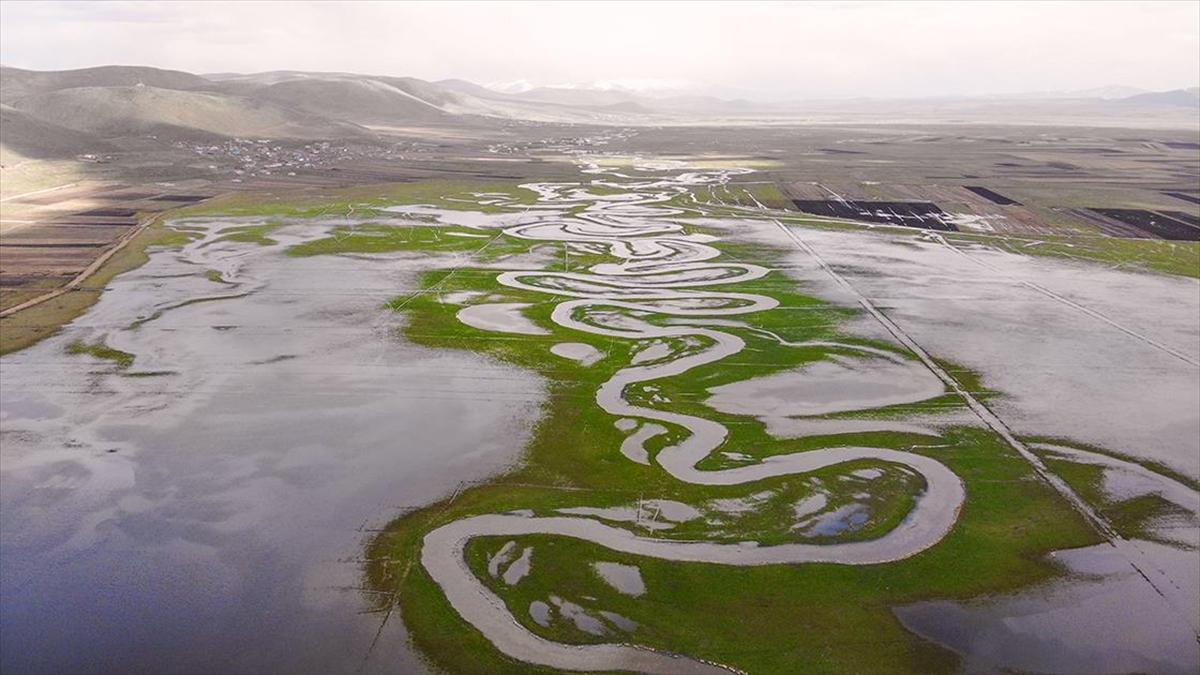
{"type": "Point", "coordinates": [821, 49]}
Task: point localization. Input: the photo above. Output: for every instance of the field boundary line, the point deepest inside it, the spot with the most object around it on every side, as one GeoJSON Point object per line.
{"type": "Point", "coordinates": [88, 271]}
{"type": "Point", "coordinates": [1095, 314]}
{"type": "Point", "coordinates": [1133, 555]}
{"type": "Point", "coordinates": [38, 192]}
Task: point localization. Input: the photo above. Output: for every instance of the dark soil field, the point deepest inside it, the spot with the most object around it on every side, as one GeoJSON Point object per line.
{"type": "Point", "coordinates": [1155, 224]}
{"type": "Point", "coordinates": [181, 198]}
{"type": "Point", "coordinates": [994, 197]}
{"type": "Point", "coordinates": [923, 215]}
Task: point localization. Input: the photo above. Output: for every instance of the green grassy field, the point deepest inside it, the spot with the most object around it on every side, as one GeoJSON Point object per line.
{"type": "Point", "coordinates": [100, 350]}
{"type": "Point", "coordinates": [759, 619]}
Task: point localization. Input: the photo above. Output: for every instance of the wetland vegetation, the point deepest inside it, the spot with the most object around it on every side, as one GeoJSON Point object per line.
{"type": "Point", "coordinates": [622, 276]}
{"type": "Point", "coordinates": [1008, 522]}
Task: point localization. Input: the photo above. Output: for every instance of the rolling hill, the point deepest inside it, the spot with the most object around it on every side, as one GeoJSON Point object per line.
{"type": "Point", "coordinates": [351, 99]}
{"type": "Point", "coordinates": [23, 135]}
{"type": "Point", "coordinates": [59, 113]}
{"type": "Point", "coordinates": [117, 111]}
{"type": "Point", "coordinates": [17, 83]}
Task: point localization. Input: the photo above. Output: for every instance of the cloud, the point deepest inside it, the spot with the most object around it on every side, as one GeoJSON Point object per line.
{"type": "Point", "coordinates": [821, 49]}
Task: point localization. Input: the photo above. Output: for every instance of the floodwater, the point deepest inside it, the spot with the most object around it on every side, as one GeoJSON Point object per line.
{"type": "Point", "coordinates": [836, 385]}
{"type": "Point", "coordinates": [500, 317]}
{"type": "Point", "coordinates": [212, 518]}
{"type": "Point", "coordinates": [584, 353]}
{"type": "Point", "coordinates": [1101, 356]}
{"type": "Point", "coordinates": [994, 313]}
{"type": "Point", "coordinates": [625, 578]}
{"type": "Point", "coordinates": [1106, 619]}
{"type": "Point", "coordinates": [204, 511]}
{"type": "Point", "coordinates": [661, 269]}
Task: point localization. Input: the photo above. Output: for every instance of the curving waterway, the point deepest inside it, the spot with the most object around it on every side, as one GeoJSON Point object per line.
{"type": "Point", "coordinates": [659, 269]}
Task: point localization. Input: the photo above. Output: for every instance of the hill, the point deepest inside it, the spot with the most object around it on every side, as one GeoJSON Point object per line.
{"type": "Point", "coordinates": [49, 112]}
{"type": "Point", "coordinates": [23, 135]}
{"type": "Point", "coordinates": [118, 111]}
{"type": "Point", "coordinates": [351, 99]}
{"type": "Point", "coordinates": [1187, 98]}
{"type": "Point", "coordinates": [18, 83]}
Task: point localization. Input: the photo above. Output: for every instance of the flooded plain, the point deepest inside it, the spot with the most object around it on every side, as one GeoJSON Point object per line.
{"type": "Point", "coordinates": [206, 508]}
{"type": "Point", "coordinates": [1011, 320]}
{"type": "Point", "coordinates": [1106, 619]}
{"type": "Point", "coordinates": [661, 269]}
{"type": "Point", "coordinates": [1101, 356]}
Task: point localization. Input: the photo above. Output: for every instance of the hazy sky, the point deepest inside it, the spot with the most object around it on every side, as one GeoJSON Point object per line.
{"type": "Point", "coordinates": [819, 49]}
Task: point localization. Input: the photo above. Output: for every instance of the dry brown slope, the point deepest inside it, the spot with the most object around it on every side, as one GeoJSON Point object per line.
{"type": "Point", "coordinates": [361, 100]}
{"type": "Point", "coordinates": [138, 110]}
{"type": "Point", "coordinates": [18, 83]}
{"type": "Point", "coordinates": [22, 135]}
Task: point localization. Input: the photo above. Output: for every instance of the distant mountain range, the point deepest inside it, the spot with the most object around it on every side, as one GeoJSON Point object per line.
{"type": "Point", "coordinates": [61, 113]}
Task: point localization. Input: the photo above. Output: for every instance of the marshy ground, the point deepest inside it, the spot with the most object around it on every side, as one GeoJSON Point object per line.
{"type": "Point", "coordinates": [644, 418]}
